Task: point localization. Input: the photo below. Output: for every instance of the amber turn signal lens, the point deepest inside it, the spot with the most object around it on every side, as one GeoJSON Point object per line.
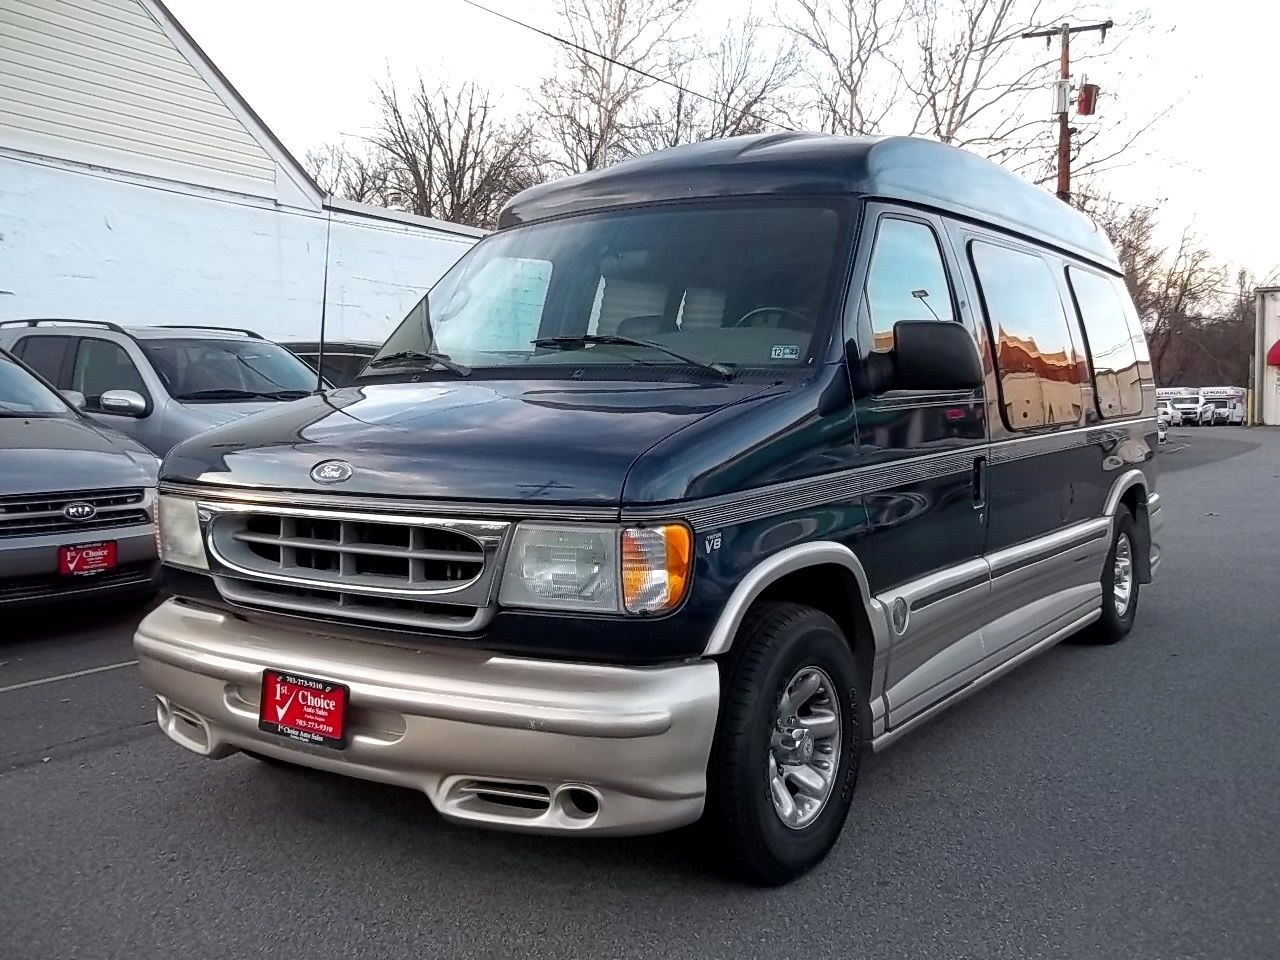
{"type": "Point", "coordinates": [656, 565]}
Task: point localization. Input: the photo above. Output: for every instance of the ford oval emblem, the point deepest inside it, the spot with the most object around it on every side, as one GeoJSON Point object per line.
{"type": "Point", "coordinates": [331, 471]}
{"type": "Point", "coordinates": [79, 510]}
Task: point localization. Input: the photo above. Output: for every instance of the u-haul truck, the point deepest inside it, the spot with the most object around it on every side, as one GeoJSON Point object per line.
{"type": "Point", "coordinates": [1226, 404]}
{"type": "Point", "coordinates": [1192, 408]}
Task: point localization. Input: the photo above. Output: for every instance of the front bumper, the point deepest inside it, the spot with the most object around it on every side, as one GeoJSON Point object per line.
{"type": "Point", "coordinates": [507, 742]}
{"type": "Point", "coordinates": [29, 566]}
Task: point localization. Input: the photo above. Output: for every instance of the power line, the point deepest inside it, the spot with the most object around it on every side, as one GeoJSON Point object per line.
{"type": "Point", "coordinates": [625, 66]}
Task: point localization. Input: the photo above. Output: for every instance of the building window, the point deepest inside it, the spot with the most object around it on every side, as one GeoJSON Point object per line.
{"type": "Point", "coordinates": [1041, 374]}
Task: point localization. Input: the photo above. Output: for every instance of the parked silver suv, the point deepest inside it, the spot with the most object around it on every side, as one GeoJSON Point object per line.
{"type": "Point", "coordinates": [162, 384]}
{"type": "Point", "coordinates": [77, 500]}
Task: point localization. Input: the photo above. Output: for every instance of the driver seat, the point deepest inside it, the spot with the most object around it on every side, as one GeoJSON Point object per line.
{"type": "Point", "coordinates": [644, 328]}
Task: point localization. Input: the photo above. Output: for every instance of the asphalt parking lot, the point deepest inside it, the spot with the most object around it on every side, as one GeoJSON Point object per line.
{"type": "Point", "coordinates": [1099, 802]}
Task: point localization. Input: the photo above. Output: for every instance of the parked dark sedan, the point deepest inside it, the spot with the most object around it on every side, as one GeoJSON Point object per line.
{"type": "Point", "coordinates": [77, 500]}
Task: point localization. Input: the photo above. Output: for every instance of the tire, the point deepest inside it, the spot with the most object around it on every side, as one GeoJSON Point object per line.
{"type": "Point", "coordinates": [779, 643]}
{"type": "Point", "coordinates": [1113, 626]}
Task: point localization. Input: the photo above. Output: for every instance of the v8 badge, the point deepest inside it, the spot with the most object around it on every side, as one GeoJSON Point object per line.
{"type": "Point", "coordinates": [711, 542]}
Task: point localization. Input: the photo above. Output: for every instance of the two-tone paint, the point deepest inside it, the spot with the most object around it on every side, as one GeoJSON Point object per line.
{"type": "Point", "coordinates": [949, 546]}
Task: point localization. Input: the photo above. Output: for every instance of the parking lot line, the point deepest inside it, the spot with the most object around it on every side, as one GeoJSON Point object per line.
{"type": "Point", "coordinates": [67, 676]}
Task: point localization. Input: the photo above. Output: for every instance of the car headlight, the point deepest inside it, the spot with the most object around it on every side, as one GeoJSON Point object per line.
{"type": "Point", "coordinates": [597, 568]}
{"type": "Point", "coordinates": [179, 533]}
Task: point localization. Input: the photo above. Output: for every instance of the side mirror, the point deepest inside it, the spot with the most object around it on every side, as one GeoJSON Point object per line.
{"type": "Point", "coordinates": [125, 403]}
{"type": "Point", "coordinates": [73, 397]}
{"type": "Point", "coordinates": [934, 355]}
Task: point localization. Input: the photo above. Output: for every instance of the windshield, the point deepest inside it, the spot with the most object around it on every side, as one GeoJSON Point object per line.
{"type": "Point", "coordinates": [738, 285]}
{"type": "Point", "coordinates": [1221, 404]}
{"type": "Point", "coordinates": [23, 395]}
{"type": "Point", "coordinates": [211, 370]}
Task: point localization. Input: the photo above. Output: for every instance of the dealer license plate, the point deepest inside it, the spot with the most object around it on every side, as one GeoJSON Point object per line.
{"type": "Point", "coordinates": [86, 559]}
{"type": "Point", "coordinates": [303, 708]}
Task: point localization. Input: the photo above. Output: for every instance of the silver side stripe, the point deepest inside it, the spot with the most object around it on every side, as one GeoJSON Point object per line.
{"type": "Point", "coordinates": [834, 489]}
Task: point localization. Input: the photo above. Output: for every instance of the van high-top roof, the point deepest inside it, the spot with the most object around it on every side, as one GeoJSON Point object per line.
{"type": "Point", "coordinates": [906, 169]}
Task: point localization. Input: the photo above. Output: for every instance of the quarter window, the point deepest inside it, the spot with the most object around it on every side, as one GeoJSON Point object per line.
{"type": "Point", "coordinates": [1041, 374]}
{"type": "Point", "coordinates": [906, 279]}
{"type": "Point", "coordinates": [1117, 380]}
{"type": "Point", "coordinates": [101, 366]}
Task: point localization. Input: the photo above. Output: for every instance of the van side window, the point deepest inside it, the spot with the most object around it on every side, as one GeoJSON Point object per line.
{"type": "Point", "coordinates": [1041, 374]}
{"type": "Point", "coordinates": [1117, 381]}
{"type": "Point", "coordinates": [906, 278]}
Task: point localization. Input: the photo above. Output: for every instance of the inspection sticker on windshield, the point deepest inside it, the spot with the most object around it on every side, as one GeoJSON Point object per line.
{"type": "Point", "coordinates": [784, 351]}
{"type": "Point", "coordinates": [303, 708]}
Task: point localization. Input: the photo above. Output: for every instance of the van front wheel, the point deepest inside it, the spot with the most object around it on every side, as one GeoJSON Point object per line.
{"type": "Point", "coordinates": [785, 757]}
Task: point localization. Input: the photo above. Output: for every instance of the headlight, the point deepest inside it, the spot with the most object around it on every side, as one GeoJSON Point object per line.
{"type": "Point", "coordinates": [180, 540]}
{"type": "Point", "coordinates": [574, 568]}
{"type": "Point", "coordinates": [597, 568]}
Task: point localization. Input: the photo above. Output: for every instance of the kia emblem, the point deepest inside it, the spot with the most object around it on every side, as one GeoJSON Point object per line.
{"type": "Point", "coordinates": [79, 510]}
{"type": "Point", "coordinates": [331, 471]}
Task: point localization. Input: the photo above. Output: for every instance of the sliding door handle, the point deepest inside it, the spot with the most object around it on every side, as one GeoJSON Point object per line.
{"type": "Point", "coordinates": [979, 482]}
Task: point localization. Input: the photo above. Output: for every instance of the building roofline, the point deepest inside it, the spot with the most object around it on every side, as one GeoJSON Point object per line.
{"type": "Point", "coordinates": [259, 129]}
{"type": "Point", "coordinates": [339, 205]}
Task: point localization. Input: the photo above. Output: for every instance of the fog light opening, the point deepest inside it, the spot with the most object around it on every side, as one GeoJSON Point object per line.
{"type": "Point", "coordinates": [579, 803]}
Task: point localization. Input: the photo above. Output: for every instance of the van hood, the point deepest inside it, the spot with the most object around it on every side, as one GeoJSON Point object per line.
{"type": "Point", "coordinates": [558, 442]}
{"type": "Point", "coordinates": [49, 454]}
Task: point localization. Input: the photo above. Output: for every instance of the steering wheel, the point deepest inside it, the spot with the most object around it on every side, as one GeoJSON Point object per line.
{"type": "Point", "coordinates": [805, 324]}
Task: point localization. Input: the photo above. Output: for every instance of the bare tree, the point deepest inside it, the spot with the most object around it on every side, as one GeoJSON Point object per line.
{"type": "Point", "coordinates": [589, 105]}
{"type": "Point", "coordinates": [749, 89]}
{"type": "Point", "coordinates": [1199, 328]}
{"type": "Point", "coordinates": [957, 71]}
{"type": "Point", "coordinates": [447, 153]}
{"type": "Point", "coordinates": [343, 172]}
{"type": "Point", "coordinates": [853, 73]}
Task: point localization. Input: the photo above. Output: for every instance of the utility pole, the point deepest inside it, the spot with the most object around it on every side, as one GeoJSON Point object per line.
{"type": "Point", "coordinates": [1063, 33]}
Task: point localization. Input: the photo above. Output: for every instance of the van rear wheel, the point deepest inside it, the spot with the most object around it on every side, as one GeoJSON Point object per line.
{"type": "Point", "coordinates": [1119, 583]}
{"type": "Point", "coordinates": [785, 758]}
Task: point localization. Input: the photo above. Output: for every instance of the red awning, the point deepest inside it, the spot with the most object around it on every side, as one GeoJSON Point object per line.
{"type": "Point", "coordinates": [1273, 355]}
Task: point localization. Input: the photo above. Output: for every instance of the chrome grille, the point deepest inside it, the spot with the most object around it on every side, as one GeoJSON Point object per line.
{"type": "Point", "coordinates": [339, 605]}
{"type": "Point", "coordinates": [35, 514]}
{"type": "Point", "coordinates": [373, 553]}
{"type": "Point", "coordinates": [393, 570]}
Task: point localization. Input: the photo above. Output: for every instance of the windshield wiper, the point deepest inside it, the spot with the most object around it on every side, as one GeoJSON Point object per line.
{"type": "Point", "coordinates": [413, 358]}
{"type": "Point", "coordinates": [605, 339]}
{"type": "Point", "coordinates": [229, 394]}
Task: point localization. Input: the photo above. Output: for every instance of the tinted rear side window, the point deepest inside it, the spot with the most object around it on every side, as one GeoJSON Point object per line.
{"type": "Point", "coordinates": [1041, 373]}
{"type": "Point", "coordinates": [44, 355]}
{"type": "Point", "coordinates": [1117, 379]}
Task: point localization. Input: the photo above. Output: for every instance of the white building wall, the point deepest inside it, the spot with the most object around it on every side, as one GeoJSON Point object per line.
{"type": "Point", "coordinates": [1268, 378]}
{"type": "Point", "coordinates": [86, 244]}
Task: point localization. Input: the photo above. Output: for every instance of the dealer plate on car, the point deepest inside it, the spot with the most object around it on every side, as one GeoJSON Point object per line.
{"type": "Point", "coordinates": [86, 559]}
{"type": "Point", "coordinates": [304, 708]}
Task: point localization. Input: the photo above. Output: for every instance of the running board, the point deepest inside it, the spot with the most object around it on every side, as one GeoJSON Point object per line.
{"type": "Point", "coordinates": [888, 737]}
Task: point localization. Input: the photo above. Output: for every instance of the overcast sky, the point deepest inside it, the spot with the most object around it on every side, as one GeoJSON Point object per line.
{"type": "Point", "coordinates": [309, 67]}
